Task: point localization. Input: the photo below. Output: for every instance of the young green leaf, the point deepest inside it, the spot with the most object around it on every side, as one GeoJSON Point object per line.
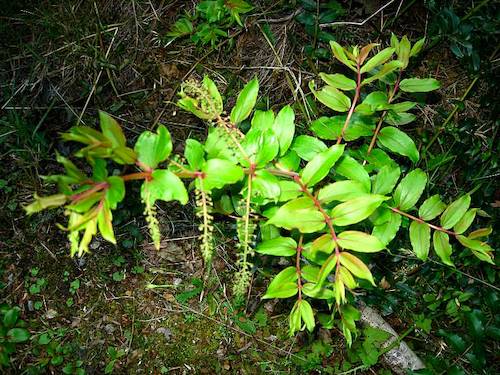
{"type": "Point", "coordinates": [359, 241]}
{"type": "Point", "coordinates": [398, 142]}
{"type": "Point", "coordinates": [288, 190]}
{"type": "Point", "coordinates": [194, 154]}
{"type": "Point", "coordinates": [284, 284]}
{"type": "Point", "coordinates": [42, 203]}
{"type": "Point", "coordinates": [284, 128]}
{"type": "Point", "coordinates": [347, 278]}
{"type": "Point", "coordinates": [341, 191]}
{"type": "Point", "coordinates": [455, 211]}
{"type": "Point", "coordinates": [279, 246]}
{"type": "Point", "coordinates": [431, 208]}
{"type": "Point", "coordinates": [399, 118]}
{"type": "Point", "coordinates": [115, 192]}
{"type": "Point", "coordinates": [165, 186]}
{"type": "Point", "coordinates": [340, 55]}
{"type": "Point", "coordinates": [323, 243]}
{"type": "Point", "coordinates": [410, 189]}
{"type": "Point", "coordinates": [105, 224]}
{"type": "Point", "coordinates": [356, 210]}
{"type": "Point", "coordinates": [339, 81]}
{"type": "Point", "coordinates": [420, 237]}
{"type": "Point", "coordinates": [301, 214]}
{"type": "Point", "coordinates": [245, 102]}
{"type": "Point", "coordinates": [419, 84]}
{"type": "Point", "coordinates": [307, 315]}
{"type": "Point", "coordinates": [320, 165]}
{"type": "Point", "coordinates": [378, 59]}
{"type": "Point", "coordinates": [261, 146]}
{"type": "Point", "coordinates": [111, 130]}
{"type": "Point", "coordinates": [219, 173]}
{"type": "Point", "coordinates": [262, 120]}
{"type": "Point", "coordinates": [331, 97]}
{"type": "Point", "coordinates": [356, 266]}
{"type": "Point", "coordinates": [153, 148]}
{"type": "Point", "coordinates": [327, 267]}
{"type": "Point", "coordinates": [331, 127]}
{"type": "Point", "coordinates": [417, 47]}
{"type": "Point", "coordinates": [442, 247]}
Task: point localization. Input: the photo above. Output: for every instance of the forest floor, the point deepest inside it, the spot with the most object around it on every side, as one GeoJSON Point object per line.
{"type": "Point", "coordinates": [130, 308]}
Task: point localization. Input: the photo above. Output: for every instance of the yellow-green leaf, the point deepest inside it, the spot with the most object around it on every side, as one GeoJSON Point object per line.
{"type": "Point", "coordinates": [420, 237]}
{"type": "Point", "coordinates": [245, 102]}
{"type": "Point", "coordinates": [320, 165]}
{"type": "Point", "coordinates": [356, 266]}
{"type": "Point", "coordinates": [301, 214]}
{"type": "Point", "coordinates": [359, 241]}
{"type": "Point", "coordinates": [442, 247]}
{"type": "Point", "coordinates": [455, 211]}
{"type": "Point", "coordinates": [356, 210]}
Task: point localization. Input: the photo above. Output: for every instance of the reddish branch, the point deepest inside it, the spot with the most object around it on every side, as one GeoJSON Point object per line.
{"type": "Point", "coordinates": [382, 117]}
{"type": "Point", "coordinates": [417, 219]}
{"type": "Point", "coordinates": [353, 105]}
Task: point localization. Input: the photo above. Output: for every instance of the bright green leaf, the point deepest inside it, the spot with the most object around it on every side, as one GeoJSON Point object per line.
{"type": "Point", "coordinates": [419, 84]}
{"type": "Point", "coordinates": [410, 189]}
{"type": "Point", "coordinates": [442, 247]}
{"type": "Point", "coordinates": [245, 102]}
{"type": "Point", "coordinates": [359, 241]}
{"type": "Point", "coordinates": [301, 214]}
{"type": "Point", "coordinates": [356, 210]}
{"type": "Point", "coordinates": [284, 284]}
{"type": "Point", "coordinates": [356, 267]}
{"type": "Point", "coordinates": [455, 211]}
{"type": "Point", "coordinates": [420, 237]}
{"type": "Point", "coordinates": [319, 167]}
{"type": "Point", "coordinates": [398, 142]}
{"type": "Point", "coordinates": [431, 208]}
{"type": "Point", "coordinates": [279, 246]}
{"type": "Point", "coordinates": [153, 148]}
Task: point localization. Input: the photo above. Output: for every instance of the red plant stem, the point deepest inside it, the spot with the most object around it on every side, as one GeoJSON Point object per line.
{"type": "Point", "coordinates": [137, 176]}
{"type": "Point", "coordinates": [87, 193]}
{"type": "Point", "coordinates": [328, 219]}
{"type": "Point", "coordinates": [297, 266]}
{"type": "Point", "coordinates": [417, 219]}
{"type": "Point", "coordinates": [381, 120]}
{"type": "Point", "coordinates": [353, 105]}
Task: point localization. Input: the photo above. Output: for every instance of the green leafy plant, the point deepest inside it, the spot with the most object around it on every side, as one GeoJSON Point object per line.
{"type": "Point", "coordinates": [12, 332]}
{"type": "Point", "coordinates": [328, 208]}
{"type": "Point", "coordinates": [312, 14]}
{"type": "Point", "coordinates": [211, 21]}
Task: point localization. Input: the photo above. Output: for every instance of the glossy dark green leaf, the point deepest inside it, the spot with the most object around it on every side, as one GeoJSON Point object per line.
{"type": "Point", "coordinates": [18, 335]}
